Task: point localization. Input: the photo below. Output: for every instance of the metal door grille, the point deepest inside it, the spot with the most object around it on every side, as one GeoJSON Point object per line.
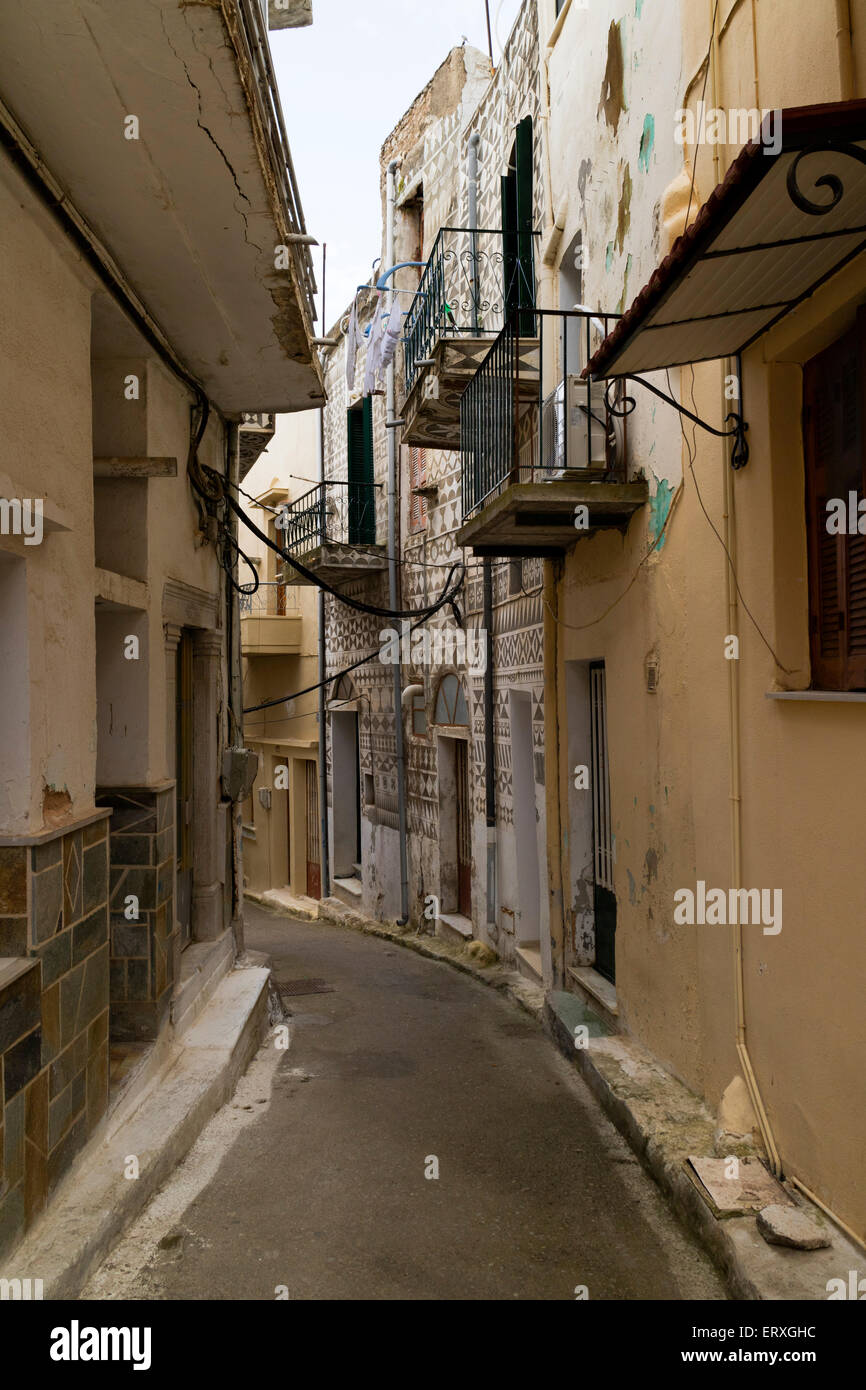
{"type": "Point", "coordinates": [314, 867]}
{"type": "Point", "coordinates": [602, 842]}
{"type": "Point", "coordinates": [464, 829]}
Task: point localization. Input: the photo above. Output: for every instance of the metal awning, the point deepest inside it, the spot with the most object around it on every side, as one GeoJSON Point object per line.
{"type": "Point", "coordinates": [788, 214]}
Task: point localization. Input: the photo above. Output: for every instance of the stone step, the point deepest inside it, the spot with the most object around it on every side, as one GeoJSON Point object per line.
{"type": "Point", "coordinates": [347, 891]}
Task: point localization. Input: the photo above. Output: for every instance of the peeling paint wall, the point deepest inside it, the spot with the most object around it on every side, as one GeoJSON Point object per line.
{"type": "Point", "coordinates": [801, 764]}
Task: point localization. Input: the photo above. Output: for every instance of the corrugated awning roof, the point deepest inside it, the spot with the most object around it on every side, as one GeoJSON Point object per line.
{"type": "Point", "coordinates": [752, 253]}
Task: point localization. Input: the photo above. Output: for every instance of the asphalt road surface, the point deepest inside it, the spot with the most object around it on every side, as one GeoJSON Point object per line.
{"type": "Point", "coordinates": [317, 1180]}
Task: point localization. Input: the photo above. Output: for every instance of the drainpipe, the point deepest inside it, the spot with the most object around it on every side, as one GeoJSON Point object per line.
{"type": "Point", "coordinates": [236, 737]}
{"type": "Point", "coordinates": [489, 753]}
{"type": "Point", "coordinates": [733, 629]}
{"type": "Point", "coordinates": [323, 727]}
{"type": "Point", "coordinates": [487, 613]}
{"type": "Point", "coordinates": [845, 50]}
{"type": "Point", "coordinates": [393, 572]}
{"type": "Point", "coordinates": [472, 178]}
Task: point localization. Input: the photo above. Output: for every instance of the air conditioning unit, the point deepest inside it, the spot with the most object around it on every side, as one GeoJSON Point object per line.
{"type": "Point", "coordinates": [573, 415]}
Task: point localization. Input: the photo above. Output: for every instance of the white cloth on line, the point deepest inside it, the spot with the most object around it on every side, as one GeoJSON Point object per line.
{"type": "Point", "coordinates": [392, 334]}
{"type": "Point", "coordinates": [354, 340]}
{"type": "Point", "coordinates": [374, 350]}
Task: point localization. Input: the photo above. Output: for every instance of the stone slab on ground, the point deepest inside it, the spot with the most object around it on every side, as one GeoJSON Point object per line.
{"type": "Point", "coordinates": [740, 1190]}
{"type": "Point", "coordinates": [785, 1225]}
{"type": "Point", "coordinates": [96, 1200]}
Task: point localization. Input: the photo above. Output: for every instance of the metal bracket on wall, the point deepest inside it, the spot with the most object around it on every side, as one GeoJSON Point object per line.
{"type": "Point", "coordinates": [737, 432]}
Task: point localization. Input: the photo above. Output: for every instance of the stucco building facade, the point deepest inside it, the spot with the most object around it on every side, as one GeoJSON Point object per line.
{"type": "Point", "coordinates": [664, 714]}
{"type": "Point", "coordinates": [135, 341]}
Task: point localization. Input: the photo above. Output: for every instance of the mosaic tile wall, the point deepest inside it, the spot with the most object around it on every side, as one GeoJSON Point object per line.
{"type": "Point", "coordinates": [54, 999]}
{"type": "Point", "coordinates": [144, 949]}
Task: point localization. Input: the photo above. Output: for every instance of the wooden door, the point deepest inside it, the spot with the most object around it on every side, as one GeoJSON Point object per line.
{"type": "Point", "coordinates": [464, 829]}
{"type": "Point", "coordinates": [183, 785]}
{"type": "Point", "coordinates": [314, 858]}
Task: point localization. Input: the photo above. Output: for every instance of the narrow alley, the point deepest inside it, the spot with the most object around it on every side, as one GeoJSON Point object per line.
{"type": "Point", "coordinates": [315, 1178]}
{"type": "Point", "coordinates": [432, 671]}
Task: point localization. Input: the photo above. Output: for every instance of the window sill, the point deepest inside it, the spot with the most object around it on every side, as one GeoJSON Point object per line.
{"type": "Point", "coordinates": [853, 697]}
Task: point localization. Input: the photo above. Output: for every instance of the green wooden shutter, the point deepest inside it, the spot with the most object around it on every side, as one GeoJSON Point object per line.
{"type": "Point", "coordinates": [525, 239]}
{"type": "Point", "coordinates": [509, 243]}
{"type": "Point", "coordinates": [362, 506]}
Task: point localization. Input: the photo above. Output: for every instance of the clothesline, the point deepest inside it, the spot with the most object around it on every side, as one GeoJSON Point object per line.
{"type": "Point", "coordinates": [381, 337]}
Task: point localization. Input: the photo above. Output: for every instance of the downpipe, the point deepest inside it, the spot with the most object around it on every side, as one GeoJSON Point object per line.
{"type": "Point", "coordinates": [487, 580]}
{"type": "Point", "coordinates": [393, 572]}
{"type": "Point", "coordinates": [233, 624]}
{"type": "Point", "coordinates": [323, 727]}
{"type": "Point", "coordinates": [736, 802]}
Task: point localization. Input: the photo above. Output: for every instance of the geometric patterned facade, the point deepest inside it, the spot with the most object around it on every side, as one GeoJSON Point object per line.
{"type": "Point", "coordinates": [434, 147]}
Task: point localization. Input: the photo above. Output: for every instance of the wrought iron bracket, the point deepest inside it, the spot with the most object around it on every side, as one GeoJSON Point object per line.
{"type": "Point", "coordinates": [738, 426]}
{"type": "Point", "coordinates": [829, 181]}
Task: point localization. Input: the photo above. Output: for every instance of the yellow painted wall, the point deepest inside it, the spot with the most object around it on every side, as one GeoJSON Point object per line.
{"type": "Point", "coordinates": [802, 764]}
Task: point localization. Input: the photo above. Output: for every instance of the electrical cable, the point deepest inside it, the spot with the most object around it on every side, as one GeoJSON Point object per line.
{"type": "Point", "coordinates": [344, 671]}
{"type": "Point", "coordinates": [701, 107]}
{"type": "Point", "coordinates": [447, 597]}
{"type": "Point", "coordinates": [752, 619]}
{"type": "Point", "coordinates": [211, 486]}
{"type": "Point", "coordinates": [230, 541]}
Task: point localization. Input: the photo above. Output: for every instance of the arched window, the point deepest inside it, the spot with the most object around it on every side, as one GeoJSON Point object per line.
{"type": "Point", "coordinates": [343, 690]}
{"type": "Point", "coordinates": [450, 702]}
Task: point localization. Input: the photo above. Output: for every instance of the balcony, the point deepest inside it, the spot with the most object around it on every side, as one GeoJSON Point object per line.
{"type": "Point", "coordinates": [270, 622]}
{"type": "Point", "coordinates": [331, 530]}
{"type": "Point", "coordinates": [255, 433]}
{"type": "Point", "coordinates": [470, 281]}
{"type": "Point", "coordinates": [544, 459]}
{"type": "Point", "coordinates": [201, 255]}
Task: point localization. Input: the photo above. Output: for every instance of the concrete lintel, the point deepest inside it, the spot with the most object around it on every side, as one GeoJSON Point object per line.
{"type": "Point", "coordinates": [119, 591]}
{"type": "Point", "coordinates": [135, 468]}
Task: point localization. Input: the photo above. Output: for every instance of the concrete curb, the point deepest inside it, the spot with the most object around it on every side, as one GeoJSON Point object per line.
{"type": "Point", "coordinates": [95, 1201]}
{"type": "Point", "coordinates": [305, 909]}
{"type": "Point", "coordinates": [662, 1121]}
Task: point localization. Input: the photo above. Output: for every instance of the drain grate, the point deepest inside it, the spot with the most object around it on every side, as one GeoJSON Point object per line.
{"type": "Point", "coordinates": [292, 987]}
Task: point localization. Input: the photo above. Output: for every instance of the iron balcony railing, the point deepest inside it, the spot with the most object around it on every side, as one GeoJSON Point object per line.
{"type": "Point", "coordinates": [254, 40]}
{"type": "Point", "coordinates": [528, 415]}
{"type": "Point", "coordinates": [337, 512]}
{"type": "Point", "coordinates": [471, 281]}
{"type": "Point", "coordinates": [270, 600]}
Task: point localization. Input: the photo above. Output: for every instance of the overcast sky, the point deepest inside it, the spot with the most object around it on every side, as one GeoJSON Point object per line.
{"type": "Point", "coordinates": [344, 84]}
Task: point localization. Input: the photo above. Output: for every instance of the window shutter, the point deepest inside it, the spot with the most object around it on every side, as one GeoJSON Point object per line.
{"type": "Point", "coordinates": [525, 247]}
{"type": "Point", "coordinates": [834, 389]}
{"type": "Point", "coordinates": [509, 243]}
{"type": "Point", "coordinates": [417, 478]}
{"type": "Point", "coordinates": [362, 499]}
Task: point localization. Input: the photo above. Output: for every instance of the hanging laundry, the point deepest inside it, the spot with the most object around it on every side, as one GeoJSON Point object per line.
{"type": "Point", "coordinates": [392, 334]}
{"type": "Point", "coordinates": [354, 340]}
{"type": "Point", "coordinates": [374, 350]}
